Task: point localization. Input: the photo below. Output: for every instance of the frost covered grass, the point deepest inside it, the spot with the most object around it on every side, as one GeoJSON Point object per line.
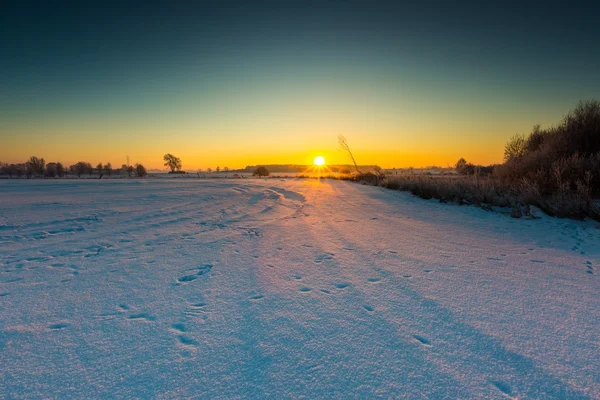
{"type": "Point", "coordinates": [567, 201]}
{"type": "Point", "coordinates": [179, 288]}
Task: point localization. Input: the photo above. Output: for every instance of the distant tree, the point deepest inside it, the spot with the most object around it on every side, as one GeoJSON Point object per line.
{"type": "Point", "coordinates": [100, 169]}
{"type": "Point", "coordinates": [515, 147]}
{"type": "Point", "coordinates": [36, 166]}
{"type": "Point", "coordinates": [82, 168]}
{"type": "Point", "coordinates": [7, 170]}
{"type": "Point", "coordinates": [108, 169]}
{"type": "Point", "coordinates": [51, 170]}
{"type": "Point", "coordinates": [462, 167]}
{"type": "Point", "coordinates": [60, 170]}
{"type": "Point", "coordinates": [345, 171]}
{"type": "Point", "coordinates": [226, 169]}
{"type": "Point", "coordinates": [260, 172]}
{"type": "Point", "coordinates": [123, 169]}
{"type": "Point", "coordinates": [130, 170]}
{"type": "Point", "coordinates": [20, 170]}
{"type": "Point", "coordinates": [140, 170]}
{"type": "Point", "coordinates": [172, 162]}
{"type": "Point", "coordinates": [218, 169]}
{"type": "Point", "coordinates": [345, 147]}
{"type": "Point", "coordinates": [209, 170]}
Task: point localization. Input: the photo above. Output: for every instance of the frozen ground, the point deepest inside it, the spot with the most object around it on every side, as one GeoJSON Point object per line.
{"type": "Point", "coordinates": [288, 289]}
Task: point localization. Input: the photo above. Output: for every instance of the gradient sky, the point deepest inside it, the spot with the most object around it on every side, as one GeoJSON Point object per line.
{"type": "Point", "coordinates": [238, 83]}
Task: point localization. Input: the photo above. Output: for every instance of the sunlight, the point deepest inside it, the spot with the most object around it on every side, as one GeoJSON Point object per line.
{"type": "Point", "coordinates": [319, 161]}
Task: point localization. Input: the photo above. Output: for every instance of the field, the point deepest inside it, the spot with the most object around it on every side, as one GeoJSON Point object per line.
{"type": "Point", "coordinates": [288, 288]}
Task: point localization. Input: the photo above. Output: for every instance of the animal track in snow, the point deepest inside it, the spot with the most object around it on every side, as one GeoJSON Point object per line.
{"type": "Point", "coordinates": [257, 297]}
{"type": "Point", "coordinates": [305, 289]}
{"type": "Point", "coordinates": [373, 280]}
{"type": "Point", "coordinates": [368, 308]}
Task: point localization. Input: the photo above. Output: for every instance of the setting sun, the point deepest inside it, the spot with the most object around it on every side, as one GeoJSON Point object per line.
{"type": "Point", "coordinates": [319, 161]}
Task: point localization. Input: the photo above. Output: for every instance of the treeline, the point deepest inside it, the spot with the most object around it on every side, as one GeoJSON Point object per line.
{"type": "Point", "coordinates": [37, 167]}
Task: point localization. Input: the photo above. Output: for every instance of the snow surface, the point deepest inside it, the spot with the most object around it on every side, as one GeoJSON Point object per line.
{"type": "Point", "coordinates": [288, 289]}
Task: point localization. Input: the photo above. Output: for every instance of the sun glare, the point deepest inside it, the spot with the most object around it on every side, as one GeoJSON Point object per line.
{"type": "Point", "coordinates": [319, 161]}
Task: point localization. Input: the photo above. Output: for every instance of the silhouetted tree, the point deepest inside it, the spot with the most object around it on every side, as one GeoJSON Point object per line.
{"type": "Point", "coordinates": [35, 166]}
{"type": "Point", "coordinates": [218, 169]}
{"type": "Point", "coordinates": [60, 170]}
{"type": "Point", "coordinates": [82, 168]}
{"type": "Point", "coordinates": [261, 171]}
{"type": "Point", "coordinates": [19, 169]}
{"type": "Point", "coordinates": [464, 168]}
{"type": "Point", "coordinates": [209, 170]}
{"type": "Point", "coordinates": [140, 170]}
{"type": "Point", "coordinates": [7, 170]}
{"type": "Point", "coordinates": [51, 170]}
{"type": "Point", "coordinates": [172, 162]}
{"type": "Point", "coordinates": [515, 147]}
{"type": "Point", "coordinates": [226, 169]}
{"type": "Point", "coordinates": [130, 170]}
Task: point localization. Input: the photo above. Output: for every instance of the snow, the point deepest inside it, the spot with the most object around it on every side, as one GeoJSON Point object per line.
{"type": "Point", "coordinates": [173, 288]}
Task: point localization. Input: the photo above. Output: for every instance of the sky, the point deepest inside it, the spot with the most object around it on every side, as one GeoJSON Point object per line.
{"type": "Point", "coordinates": [243, 83]}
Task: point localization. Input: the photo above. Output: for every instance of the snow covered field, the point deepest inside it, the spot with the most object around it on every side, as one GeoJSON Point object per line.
{"type": "Point", "coordinates": [288, 289]}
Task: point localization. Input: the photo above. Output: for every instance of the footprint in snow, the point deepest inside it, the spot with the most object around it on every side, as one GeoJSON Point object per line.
{"type": "Point", "coordinates": [196, 273]}
{"type": "Point", "coordinates": [305, 289]}
{"type": "Point", "coordinates": [503, 387]}
{"type": "Point", "coordinates": [342, 285]}
{"type": "Point", "coordinates": [142, 317]}
{"type": "Point", "coordinates": [184, 340]}
{"type": "Point", "coordinates": [60, 325]}
{"type": "Point", "coordinates": [324, 257]}
{"type": "Point", "coordinates": [424, 341]}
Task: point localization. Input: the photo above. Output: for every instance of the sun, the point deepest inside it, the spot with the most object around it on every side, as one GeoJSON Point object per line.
{"type": "Point", "coordinates": [319, 161]}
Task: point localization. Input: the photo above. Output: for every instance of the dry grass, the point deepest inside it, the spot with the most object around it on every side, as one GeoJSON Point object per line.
{"type": "Point", "coordinates": [491, 191]}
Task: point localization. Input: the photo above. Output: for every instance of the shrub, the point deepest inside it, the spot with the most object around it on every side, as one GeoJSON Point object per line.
{"type": "Point", "coordinates": [140, 170]}
{"type": "Point", "coordinates": [261, 171]}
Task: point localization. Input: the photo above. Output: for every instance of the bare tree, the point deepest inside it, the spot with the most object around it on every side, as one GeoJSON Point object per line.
{"type": "Point", "coordinates": [35, 166]}
{"type": "Point", "coordinates": [172, 162]}
{"type": "Point", "coordinates": [345, 147]}
{"type": "Point", "coordinates": [515, 147]}
{"type": "Point", "coordinates": [51, 170]}
{"type": "Point", "coordinates": [60, 170]}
